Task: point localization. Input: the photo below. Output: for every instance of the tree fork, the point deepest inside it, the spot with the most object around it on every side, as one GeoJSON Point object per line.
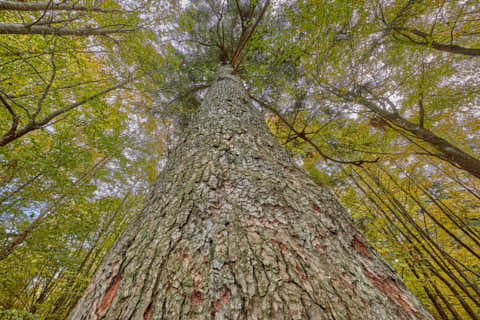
{"type": "Point", "coordinates": [232, 229]}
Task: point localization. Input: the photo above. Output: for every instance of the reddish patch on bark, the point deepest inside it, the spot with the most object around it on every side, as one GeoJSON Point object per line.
{"type": "Point", "coordinates": [316, 208]}
{"type": "Point", "coordinates": [360, 246]}
{"type": "Point", "coordinates": [148, 312]}
{"type": "Point", "coordinates": [300, 273]}
{"type": "Point", "coordinates": [196, 277]}
{"type": "Point", "coordinates": [196, 297]}
{"type": "Point", "coordinates": [109, 294]}
{"type": "Point", "coordinates": [390, 290]}
{"type": "Point", "coordinates": [230, 140]}
{"type": "Point", "coordinates": [282, 246]}
{"type": "Point", "coordinates": [186, 258]}
{"type": "Point", "coordinates": [225, 295]}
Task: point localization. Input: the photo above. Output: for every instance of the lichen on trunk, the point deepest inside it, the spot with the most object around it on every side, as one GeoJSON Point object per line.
{"type": "Point", "coordinates": [233, 229]}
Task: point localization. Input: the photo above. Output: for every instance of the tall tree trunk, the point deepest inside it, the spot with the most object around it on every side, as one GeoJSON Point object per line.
{"type": "Point", "coordinates": [233, 229]}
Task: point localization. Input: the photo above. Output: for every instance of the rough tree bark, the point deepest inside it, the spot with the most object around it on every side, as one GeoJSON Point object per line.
{"type": "Point", "coordinates": [233, 229]}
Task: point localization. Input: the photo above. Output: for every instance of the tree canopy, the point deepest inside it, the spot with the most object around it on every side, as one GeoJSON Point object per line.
{"type": "Point", "coordinates": [377, 100]}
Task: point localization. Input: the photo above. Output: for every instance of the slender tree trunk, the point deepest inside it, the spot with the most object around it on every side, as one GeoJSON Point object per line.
{"type": "Point", "coordinates": [234, 230]}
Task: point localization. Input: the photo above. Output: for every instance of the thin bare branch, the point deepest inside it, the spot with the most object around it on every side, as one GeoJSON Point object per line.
{"type": "Point", "coordinates": [308, 140]}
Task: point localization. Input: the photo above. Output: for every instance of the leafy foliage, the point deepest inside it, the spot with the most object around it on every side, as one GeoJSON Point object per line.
{"type": "Point", "coordinates": [70, 184]}
{"type": "Point", "coordinates": [377, 99]}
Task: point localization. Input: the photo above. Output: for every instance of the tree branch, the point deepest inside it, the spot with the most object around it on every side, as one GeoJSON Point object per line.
{"type": "Point", "coordinates": [20, 28]}
{"type": "Point", "coordinates": [429, 42]}
{"type": "Point", "coordinates": [308, 140]}
{"type": "Point", "coordinates": [421, 111]}
{"type": "Point", "coordinates": [446, 149]}
{"type": "Point", "coordinates": [41, 6]}
{"type": "Point", "coordinates": [33, 125]}
{"type": "Point", "coordinates": [243, 40]}
{"type": "Point", "coordinates": [50, 82]}
{"type": "Point", "coordinates": [14, 125]}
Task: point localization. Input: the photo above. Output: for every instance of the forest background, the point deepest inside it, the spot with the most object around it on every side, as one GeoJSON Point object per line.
{"type": "Point", "coordinates": [377, 99]}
